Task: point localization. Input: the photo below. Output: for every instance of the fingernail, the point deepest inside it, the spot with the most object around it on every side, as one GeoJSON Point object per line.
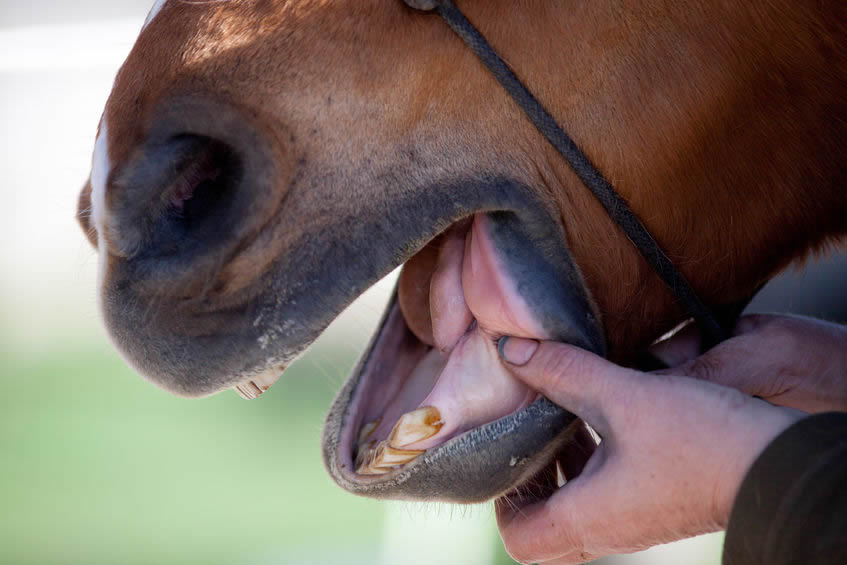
{"type": "Point", "coordinates": [516, 350]}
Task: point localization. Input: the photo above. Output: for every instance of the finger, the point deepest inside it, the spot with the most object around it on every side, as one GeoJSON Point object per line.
{"type": "Point", "coordinates": [732, 364]}
{"type": "Point", "coordinates": [571, 460]}
{"type": "Point", "coordinates": [576, 379]}
{"type": "Point", "coordinates": [574, 558]}
{"type": "Point", "coordinates": [679, 348]}
{"type": "Point", "coordinates": [685, 345]}
{"type": "Point", "coordinates": [537, 489]}
{"type": "Point", "coordinates": [534, 533]}
{"type": "Point", "coordinates": [560, 528]}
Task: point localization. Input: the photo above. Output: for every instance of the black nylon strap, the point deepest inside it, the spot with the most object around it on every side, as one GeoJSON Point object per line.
{"type": "Point", "coordinates": [615, 206]}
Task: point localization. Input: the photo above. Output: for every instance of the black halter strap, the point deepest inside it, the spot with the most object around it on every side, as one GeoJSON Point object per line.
{"type": "Point", "coordinates": [617, 208]}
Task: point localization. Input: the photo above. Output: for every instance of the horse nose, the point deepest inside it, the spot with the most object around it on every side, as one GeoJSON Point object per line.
{"type": "Point", "coordinates": [185, 202]}
{"type": "Point", "coordinates": [174, 200]}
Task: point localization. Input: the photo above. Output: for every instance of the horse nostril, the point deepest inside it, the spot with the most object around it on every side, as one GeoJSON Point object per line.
{"type": "Point", "coordinates": [197, 197]}
{"type": "Point", "coordinates": [174, 197]}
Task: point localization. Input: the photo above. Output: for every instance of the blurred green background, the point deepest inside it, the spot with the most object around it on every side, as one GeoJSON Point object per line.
{"type": "Point", "coordinates": [98, 466]}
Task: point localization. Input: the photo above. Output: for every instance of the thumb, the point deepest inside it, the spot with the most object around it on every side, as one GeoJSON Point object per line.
{"type": "Point", "coordinates": [573, 378]}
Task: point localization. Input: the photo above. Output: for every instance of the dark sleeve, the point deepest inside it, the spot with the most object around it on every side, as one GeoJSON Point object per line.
{"type": "Point", "coordinates": [792, 505]}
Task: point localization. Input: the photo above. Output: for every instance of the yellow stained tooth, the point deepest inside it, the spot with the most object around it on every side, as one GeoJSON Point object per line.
{"type": "Point", "coordinates": [362, 453]}
{"type": "Point", "coordinates": [367, 430]}
{"type": "Point", "coordinates": [249, 390]}
{"type": "Point", "coordinates": [389, 454]}
{"type": "Point", "coordinates": [372, 471]}
{"type": "Point", "coordinates": [387, 457]}
{"type": "Point", "coordinates": [415, 426]}
{"type": "Point", "coordinates": [366, 466]}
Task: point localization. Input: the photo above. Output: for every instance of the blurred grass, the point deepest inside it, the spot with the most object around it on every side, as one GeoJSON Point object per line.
{"type": "Point", "coordinates": [100, 467]}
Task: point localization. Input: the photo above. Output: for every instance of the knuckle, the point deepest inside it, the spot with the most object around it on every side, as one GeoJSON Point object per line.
{"type": "Point", "coordinates": [782, 330]}
{"type": "Point", "coordinates": [776, 325]}
{"type": "Point", "coordinates": [784, 338]}
{"type": "Point", "coordinates": [706, 367]}
{"type": "Point", "coordinates": [752, 322]}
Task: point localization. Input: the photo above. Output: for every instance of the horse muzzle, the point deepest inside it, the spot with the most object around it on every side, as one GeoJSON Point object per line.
{"type": "Point", "coordinates": [224, 257]}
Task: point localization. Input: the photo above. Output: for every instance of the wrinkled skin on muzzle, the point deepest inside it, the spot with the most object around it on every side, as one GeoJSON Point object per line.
{"type": "Point", "coordinates": [260, 164]}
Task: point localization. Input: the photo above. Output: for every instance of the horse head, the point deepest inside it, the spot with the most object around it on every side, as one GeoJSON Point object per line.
{"type": "Point", "coordinates": [260, 164]}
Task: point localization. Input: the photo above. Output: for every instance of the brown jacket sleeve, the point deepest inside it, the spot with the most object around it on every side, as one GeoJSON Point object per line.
{"type": "Point", "coordinates": [792, 505]}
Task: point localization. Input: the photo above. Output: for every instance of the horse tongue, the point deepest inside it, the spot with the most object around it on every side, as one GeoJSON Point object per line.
{"type": "Point", "coordinates": [449, 312]}
{"type": "Point", "coordinates": [474, 387]}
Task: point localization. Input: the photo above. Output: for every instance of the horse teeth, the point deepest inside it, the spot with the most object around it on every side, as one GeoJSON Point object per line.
{"type": "Point", "coordinates": [415, 426]}
{"type": "Point", "coordinates": [249, 390]}
{"type": "Point", "coordinates": [368, 470]}
{"type": "Point", "coordinates": [366, 464]}
{"type": "Point", "coordinates": [255, 387]}
{"type": "Point", "coordinates": [367, 430]}
{"type": "Point", "coordinates": [379, 458]}
{"type": "Point", "coordinates": [389, 457]}
{"type": "Point", "coordinates": [362, 455]}
{"type": "Point", "coordinates": [383, 458]}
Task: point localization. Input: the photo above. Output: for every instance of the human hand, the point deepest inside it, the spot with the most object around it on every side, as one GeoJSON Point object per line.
{"type": "Point", "coordinates": [673, 455]}
{"type": "Point", "coordinates": [786, 360]}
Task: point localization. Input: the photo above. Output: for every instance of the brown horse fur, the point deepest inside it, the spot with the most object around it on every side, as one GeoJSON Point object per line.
{"type": "Point", "coordinates": [722, 123]}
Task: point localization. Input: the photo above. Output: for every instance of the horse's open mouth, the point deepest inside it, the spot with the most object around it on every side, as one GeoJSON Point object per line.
{"type": "Point", "coordinates": [435, 372]}
{"type": "Point", "coordinates": [431, 412]}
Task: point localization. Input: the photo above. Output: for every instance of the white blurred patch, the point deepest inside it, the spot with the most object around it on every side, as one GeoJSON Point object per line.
{"type": "Point", "coordinates": [101, 165]}
{"type": "Point", "coordinates": [100, 168]}
{"type": "Point", "coordinates": [154, 11]}
{"type": "Point", "coordinates": [62, 47]}
{"type": "Point", "coordinates": [700, 550]}
{"type": "Point", "coordinates": [414, 535]}
{"type": "Point", "coordinates": [54, 81]}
